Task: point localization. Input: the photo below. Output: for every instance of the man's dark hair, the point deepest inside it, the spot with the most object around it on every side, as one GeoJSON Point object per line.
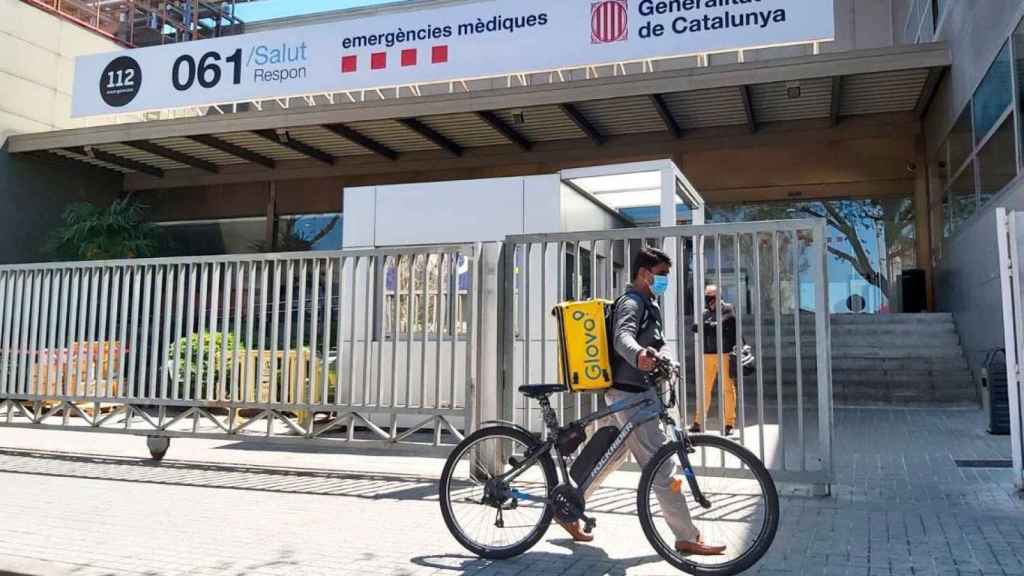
{"type": "Point", "coordinates": [649, 258]}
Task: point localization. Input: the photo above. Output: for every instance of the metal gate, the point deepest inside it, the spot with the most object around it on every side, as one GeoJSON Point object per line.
{"type": "Point", "coordinates": [1010, 239]}
{"type": "Point", "coordinates": [366, 346]}
{"type": "Point", "coordinates": [774, 273]}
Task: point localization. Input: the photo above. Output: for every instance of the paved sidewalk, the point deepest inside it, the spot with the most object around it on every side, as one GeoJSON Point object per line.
{"type": "Point", "coordinates": [79, 504]}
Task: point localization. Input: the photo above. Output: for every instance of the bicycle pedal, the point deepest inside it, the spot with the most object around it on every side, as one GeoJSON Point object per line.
{"type": "Point", "coordinates": [588, 525]}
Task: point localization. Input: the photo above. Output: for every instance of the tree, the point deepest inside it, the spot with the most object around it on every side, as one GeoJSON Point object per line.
{"type": "Point", "coordinates": [91, 232]}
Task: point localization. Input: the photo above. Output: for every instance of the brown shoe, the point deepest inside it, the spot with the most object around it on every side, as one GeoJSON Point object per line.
{"type": "Point", "coordinates": [577, 533]}
{"type": "Point", "coordinates": [698, 548]}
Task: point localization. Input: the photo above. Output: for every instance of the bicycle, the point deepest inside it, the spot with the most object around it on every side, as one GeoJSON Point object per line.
{"type": "Point", "coordinates": [511, 484]}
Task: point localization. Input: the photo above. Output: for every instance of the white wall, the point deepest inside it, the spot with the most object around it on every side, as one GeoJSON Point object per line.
{"type": "Point", "coordinates": [37, 67]}
{"type": "Point", "coordinates": [452, 212]}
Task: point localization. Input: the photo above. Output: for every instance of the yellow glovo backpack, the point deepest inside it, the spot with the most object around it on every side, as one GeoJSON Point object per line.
{"type": "Point", "coordinates": [585, 347]}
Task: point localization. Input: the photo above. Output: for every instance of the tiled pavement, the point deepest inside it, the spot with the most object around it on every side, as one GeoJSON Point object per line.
{"type": "Point", "coordinates": [90, 504]}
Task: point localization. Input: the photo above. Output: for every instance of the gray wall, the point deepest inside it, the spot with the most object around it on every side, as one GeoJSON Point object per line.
{"type": "Point", "coordinates": [35, 192]}
{"type": "Point", "coordinates": [967, 277]}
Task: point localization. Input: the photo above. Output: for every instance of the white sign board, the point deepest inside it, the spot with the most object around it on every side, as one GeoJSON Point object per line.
{"type": "Point", "coordinates": [456, 42]}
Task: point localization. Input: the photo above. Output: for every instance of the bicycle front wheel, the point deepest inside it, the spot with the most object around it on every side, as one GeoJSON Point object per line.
{"type": "Point", "coordinates": [492, 518]}
{"type": "Point", "coordinates": [744, 512]}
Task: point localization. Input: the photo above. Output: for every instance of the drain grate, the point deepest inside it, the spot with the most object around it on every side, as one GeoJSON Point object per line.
{"type": "Point", "coordinates": [984, 463]}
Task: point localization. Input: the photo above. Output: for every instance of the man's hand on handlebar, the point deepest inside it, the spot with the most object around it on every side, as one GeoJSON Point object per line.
{"type": "Point", "coordinates": [647, 361]}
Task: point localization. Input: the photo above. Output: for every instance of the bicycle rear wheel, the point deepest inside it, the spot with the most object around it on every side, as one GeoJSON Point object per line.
{"type": "Point", "coordinates": [744, 512]}
{"type": "Point", "coordinates": [493, 519]}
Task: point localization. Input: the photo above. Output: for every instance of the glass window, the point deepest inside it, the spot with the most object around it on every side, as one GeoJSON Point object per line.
{"type": "Point", "coordinates": [997, 161]}
{"type": "Point", "coordinates": [216, 237]}
{"type": "Point", "coordinates": [313, 232]}
{"type": "Point", "coordinates": [994, 95]}
{"type": "Point", "coordinates": [963, 199]}
{"type": "Point", "coordinates": [960, 142]}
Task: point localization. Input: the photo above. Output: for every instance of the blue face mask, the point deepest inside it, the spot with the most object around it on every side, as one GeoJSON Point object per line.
{"type": "Point", "coordinates": [660, 284]}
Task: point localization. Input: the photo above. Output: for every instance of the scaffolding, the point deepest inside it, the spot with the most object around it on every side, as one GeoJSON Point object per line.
{"type": "Point", "coordinates": [139, 23]}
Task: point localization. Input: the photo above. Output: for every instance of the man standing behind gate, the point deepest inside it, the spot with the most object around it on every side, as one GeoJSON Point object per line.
{"type": "Point", "coordinates": [714, 358]}
{"type": "Point", "coordinates": [638, 340]}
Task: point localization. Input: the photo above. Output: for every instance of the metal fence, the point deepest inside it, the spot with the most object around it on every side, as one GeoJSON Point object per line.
{"type": "Point", "coordinates": [1010, 240]}
{"type": "Point", "coordinates": [362, 345]}
{"type": "Point", "coordinates": [774, 273]}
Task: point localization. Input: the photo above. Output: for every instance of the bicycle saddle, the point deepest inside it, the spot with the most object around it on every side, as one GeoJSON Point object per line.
{"type": "Point", "coordinates": [541, 390]}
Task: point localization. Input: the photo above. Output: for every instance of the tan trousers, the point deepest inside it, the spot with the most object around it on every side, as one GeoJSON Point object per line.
{"type": "Point", "coordinates": [710, 376]}
{"type": "Point", "coordinates": [643, 443]}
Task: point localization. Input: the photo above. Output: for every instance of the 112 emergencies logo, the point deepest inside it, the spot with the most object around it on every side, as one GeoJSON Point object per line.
{"type": "Point", "coordinates": [609, 21]}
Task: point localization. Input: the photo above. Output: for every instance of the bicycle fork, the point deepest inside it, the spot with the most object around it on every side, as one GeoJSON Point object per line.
{"type": "Point", "coordinates": [684, 460]}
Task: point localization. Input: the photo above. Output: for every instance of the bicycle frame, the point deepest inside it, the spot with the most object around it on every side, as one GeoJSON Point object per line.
{"type": "Point", "coordinates": [651, 408]}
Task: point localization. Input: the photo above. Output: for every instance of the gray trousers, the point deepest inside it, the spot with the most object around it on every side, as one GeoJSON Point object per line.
{"type": "Point", "coordinates": [643, 443]}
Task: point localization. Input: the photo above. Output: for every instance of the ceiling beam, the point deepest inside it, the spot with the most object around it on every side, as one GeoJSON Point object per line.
{"type": "Point", "coordinates": [434, 136]}
{"type": "Point", "coordinates": [164, 152]}
{"type": "Point", "coordinates": [666, 115]}
{"type": "Point", "coordinates": [748, 108]}
{"type": "Point", "coordinates": [931, 86]}
{"type": "Point", "coordinates": [583, 124]}
{"type": "Point", "coordinates": [510, 133]}
{"type": "Point", "coordinates": [236, 151]}
{"type": "Point", "coordinates": [363, 141]}
{"type": "Point", "coordinates": [282, 138]}
{"type": "Point", "coordinates": [121, 161]}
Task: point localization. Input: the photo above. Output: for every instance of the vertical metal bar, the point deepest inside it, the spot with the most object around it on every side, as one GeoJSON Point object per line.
{"type": "Point", "coordinates": [274, 324]}
{"type": "Point", "coordinates": [300, 349]}
{"type": "Point", "coordinates": [117, 347]}
{"type": "Point", "coordinates": [681, 327]}
{"type": "Point", "coordinates": [526, 250]}
{"type": "Point", "coordinates": [41, 374]}
{"type": "Point", "coordinates": [101, 338]}
{"type": "Point", "coordinates": [469, 405]}
{"type": "Point", "coordinates": [205, 353]}
{"type": "Point", "coordinates": [157, 310]}
{"type": "Point", "coordinates": [741, 406]}
{"type": "Point", "coordinates": [722, 356]}
{"type": "Point", "coordinates": [249, 375]}
{"type": "Point", "coordinates": [314, 327]}
{"type": "Point", "coordinates": [543, 330]}
{"type": "Point", "coordinates": [165, 350]}
{"type": "Point", "coordinates": [799, 345]}
{"type": "Point", "coordinates": [287, 392]}
{"type": "Point", "coordinates": [371, 264]}
{"type": "Point", "coordinates": [328, 282]}
{"type": "Point", "coordinates": [823, 339]}
{"type": "Point", "coordinates": [396, 305]}
{"type": "Point", "coordinates": [453, 321]}
{"type": "Point", "coordinates": [777, 296]}
{"type": "Point", "coordinates": [351, 371]}
{"type": "Point", "coordinates": [179, 332]}
{"type": "Point", "coordinates": [425, 304]}
{"type": "Point", "coordinates": [9, 281]}
{"type": "Point", "coordinates": [134, 345]}
{"type": "Point", "coordinates": [594, 278]}
{"type": "Point", "coordinates": [31, 332]}
{"type": "Point", "coordinates": [144, 320]}
{"type": "Point", "coordinates": [410, 311]}
{"type": "Point", "coordinates": [190, 318]}
{"type": "Point", "coordinates": [225, 329]}
{"type": "Point", "coordinates": [382, 269]}
{"type": "Point", "coordinates": [53, 360]}
{"type": "Point", "coordinates": [213, 330]}
{"type": "Point", "coordinates": [438, 315]}
{"type": "Point", "coordinates": [577, 274]}
{"type": "Point", "coordinates": [93, 291]}
{"type": "Point", "coordinates": [559, 298]}
{"type": "Point", "coordinates": [238, 346]}
{"type": "Point", "coordinates": [758, 339]}
{"type": "Point", "coordinates": [68, 335]}
{"type": "Point", "coordinates": [83, 333]}
{"type": "Point", "coordinates": [338, 331]}
{"type": "Point", "coordinates": [262, 336]}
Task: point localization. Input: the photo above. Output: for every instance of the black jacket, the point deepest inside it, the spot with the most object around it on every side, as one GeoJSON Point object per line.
{"type": "Point", "coordinates": [711, 329]}
{"type": "Point", "coordinates": [637, 325]}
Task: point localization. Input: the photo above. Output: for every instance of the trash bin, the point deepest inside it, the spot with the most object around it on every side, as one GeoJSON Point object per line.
{"type": "Point", "coordinates": [996, 393]}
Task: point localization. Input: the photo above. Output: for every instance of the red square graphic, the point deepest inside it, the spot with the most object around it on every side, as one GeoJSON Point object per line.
{"type": "Point", "coordinates": [378, 60]}
{"type": "Point", "coordinates": [349, 64]}
{"type": "Point", "coordinates": [439, 54]}
{"type": "Point", "coordinates": [409, 57]}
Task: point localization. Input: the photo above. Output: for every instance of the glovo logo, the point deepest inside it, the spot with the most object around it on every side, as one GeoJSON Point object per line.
{"type": "Point", "coordinates": [592, 352]}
